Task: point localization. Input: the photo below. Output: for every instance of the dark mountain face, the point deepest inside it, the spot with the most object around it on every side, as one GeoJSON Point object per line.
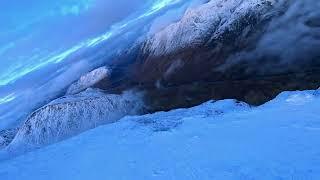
{"type": "Point", "coordinates": [249, 50]}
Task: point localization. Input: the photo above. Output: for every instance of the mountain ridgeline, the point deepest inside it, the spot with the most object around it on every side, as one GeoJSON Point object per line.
{"type": "Point", "coordinates": [247, 50]}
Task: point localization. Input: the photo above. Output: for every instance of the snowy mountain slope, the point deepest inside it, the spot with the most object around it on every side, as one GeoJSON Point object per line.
{"type": "Point", "coordinates": [216, 140]}
{"type": "Point", "coordinates": [209, 21]}
{"type": "Point", "coordinates": [255, 37]}
{"type": "Point", "coordinates": [70, 115]}
{"type": "Point", "coordinates": [254, 46]}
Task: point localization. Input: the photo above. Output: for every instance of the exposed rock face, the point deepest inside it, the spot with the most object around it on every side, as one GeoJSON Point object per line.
{"type": "Point", "coordinates": [74, 114]}
{"type": "Point", "coordinates": [248, 50]}
{"type": "Point", "coordinates": [89, 80]}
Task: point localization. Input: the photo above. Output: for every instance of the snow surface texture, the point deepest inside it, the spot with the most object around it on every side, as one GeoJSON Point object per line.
{"type": "Point", "coordinates": [6, 136]}
{"type": "Point", "coordinates": [198, 24]}
{"type": "Point", "coordinates": [71, 115]}
{"type": "Point", "coordinates": [216, 140]}
{"type": "Point", "coordinates": [89, 80]}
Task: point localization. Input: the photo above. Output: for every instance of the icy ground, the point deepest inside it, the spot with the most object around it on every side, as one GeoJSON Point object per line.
{"type": "Point", "coordinates": [222, 140]}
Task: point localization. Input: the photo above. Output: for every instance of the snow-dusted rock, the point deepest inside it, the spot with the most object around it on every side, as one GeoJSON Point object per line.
{"type": "Point", "coordinates": [88, 80]}
{"type": "Point", "coordinates": [74, 114]}
{"type": "Point", "coordinates": [6, 136]}
{"type": "Point", "coordinates": [203, 40]}
{"type": "Point", "coordinates": [208, 21]}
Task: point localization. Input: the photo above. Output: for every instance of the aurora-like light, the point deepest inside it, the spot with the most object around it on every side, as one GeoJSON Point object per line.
{"type": "Point", "coordinates": [22, 70]}
{"type": "Point", "coordinates": [160, 4]}
{"type": "Point", "coordinates": [157, 6]}
{"type": "Point", "coordinates": [97, 40]}
{"type": "Point", "coordinates": [7, 98]}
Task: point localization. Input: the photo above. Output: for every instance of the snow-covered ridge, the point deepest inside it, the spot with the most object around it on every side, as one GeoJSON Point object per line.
{"type": "Point", "coordinates": [70, 115]}
{"type": "Point", "coordinates": [286, 26]}
{"type": "Point", "coordinates": [216, 140]}
{"type": "Point", "coordinates": [208, 21]}
{"type": "Point", "coordinates": [89, 80]}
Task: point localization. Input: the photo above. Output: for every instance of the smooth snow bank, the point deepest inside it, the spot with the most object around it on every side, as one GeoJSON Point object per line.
{"type": "Point", "coordinates": [88, 80]}
{"type": "Point", "coordinates": [74, 114]}
{"type": "Point", "coordinates": [216, 140]}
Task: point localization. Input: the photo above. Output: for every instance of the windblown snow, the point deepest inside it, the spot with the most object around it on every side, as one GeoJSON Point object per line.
{"type": "Point", "coordinates": [216, 140]}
